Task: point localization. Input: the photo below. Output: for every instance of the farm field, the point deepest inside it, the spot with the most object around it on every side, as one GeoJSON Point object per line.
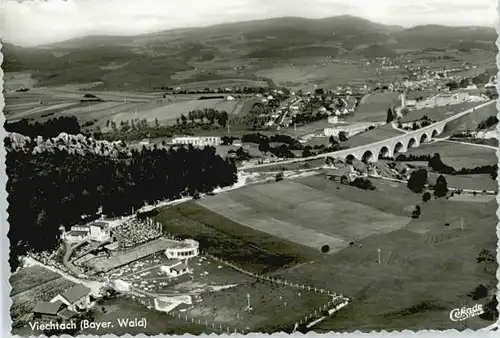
{"type": "Point", "coordinates": [378, 134]}
{"type": "Point", "coordinates": [441, 113]}
{"type": "Point", "coordinates": [470, 121]}
{"type": "Point", "coordinates": [304, 213]}
{"type": "Point", "coordinates": [32, 284]}
{"type": "Point", "coordinates": [254, 250]}
{"type": "Point", "coordinates": [168, 113]}
{"type": "Point", "coordinates": [306, 72]}
{"type": "Point", "coordinates": [458, 155]}
{"type": "Point", "coordinates": [421, 276]}
{"type": "Point", "coordinates": [117, 106]}
{"type": "Point", "coordinates": [472, 182]}
{"type": "Point", "coordinates": [373, 107]}
{"type": "Point", "coordinates": [214, 84]}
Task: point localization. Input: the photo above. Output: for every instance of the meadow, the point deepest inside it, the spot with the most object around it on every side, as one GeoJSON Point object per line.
{"type": "Point", "coordinates": [219, 236]}
{"type": "Point", "coordinates": [439, 113]}
{"type": "Point", "coordinates": [458, 155]}
{"type": "Point", "coordinates": [422, 276]}
{"type": "Point", "coordinates": [373, 107]}
{"type": "Point", "coordinates": [377, 134]}
{"type": "Point", "coordinates": [303, 213]}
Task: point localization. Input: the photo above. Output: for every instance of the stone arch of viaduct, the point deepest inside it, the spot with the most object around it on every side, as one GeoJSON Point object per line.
{"type": "Point", "coordinates": [393, 146]}
{"type": "Point", "coordinates": [388, 147]}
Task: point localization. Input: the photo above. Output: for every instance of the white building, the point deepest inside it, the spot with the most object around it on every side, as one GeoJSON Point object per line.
{"type": "Point", "coordinates": [333, 119]}
{"type": "Point", "coordinates": [179, 254]}
{"type": "Point", "coordinates": [96, 231]}
{"type": "Point", "coordinates": [176, 269]}
{"type": "Point", "coordinates": [198, 141]}
{"type": "Point", "coordinates": [230, 98]}
{"type": "Point", "coordinates": [99, 232]}
{"type": "Point", "coordinates": [187, 249]}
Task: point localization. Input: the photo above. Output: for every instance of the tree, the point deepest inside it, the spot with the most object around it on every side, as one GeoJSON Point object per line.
{"type": "Point", "coordinates": [417, 181]}
{"type": "Point", "coordinates": [390, 116]}
{"type": "Point", "coordinates": [325, 249]}
{"type": "Point", "coordinates": [183, 119]}
{"type": "Point", "coordinates": [157, 124]}
{"type": "Point", "coordinates": [307, 152]}
{"type": "Point", "coordinates": [416, 212]}
{"type": "Point", "coordinates": [479, 292]}
{"type": "Point", "coordinates": [226, 140]}
{"type": "Point", "coordinates": [490, 310]}
{"type": "Point", "coordinates": [264, 146]}
{"type": "Point", "coordinates": [426, 197]}
{"type": "Point", "coordinates": [343, 136]}
{"type": "Point", "coordinates": [441, 187]}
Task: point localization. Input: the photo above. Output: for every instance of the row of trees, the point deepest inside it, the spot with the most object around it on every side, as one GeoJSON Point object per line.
{"type": "Point", "coordinates": [436, 164]}
{"type": "Point", "coordinates": [51, 128]}
{"type": "Point", "coordinates": [489, 122]}
{"type": "Point", "coordinates": [55, 188]}
{"type": "Point", "coordinates": [207, 115]}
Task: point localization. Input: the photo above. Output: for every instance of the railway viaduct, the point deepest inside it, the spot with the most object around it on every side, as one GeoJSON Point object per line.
{"type": "Point", "coordinates": [385, 148]}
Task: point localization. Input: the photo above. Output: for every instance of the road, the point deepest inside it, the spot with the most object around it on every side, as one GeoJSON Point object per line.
{"type": "Point", "coordinates": [332, 154]}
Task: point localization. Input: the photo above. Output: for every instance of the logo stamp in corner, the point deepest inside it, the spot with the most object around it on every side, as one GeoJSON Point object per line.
{"type": "Point", "coordinates": [464, 313]}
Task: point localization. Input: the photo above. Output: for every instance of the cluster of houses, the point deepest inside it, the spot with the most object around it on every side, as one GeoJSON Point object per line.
{"type": "Point", "coordinates": [65, 306]}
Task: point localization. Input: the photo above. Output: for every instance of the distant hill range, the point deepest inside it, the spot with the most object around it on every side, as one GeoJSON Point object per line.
{"type": "Point", "coordinates": [93, 58]}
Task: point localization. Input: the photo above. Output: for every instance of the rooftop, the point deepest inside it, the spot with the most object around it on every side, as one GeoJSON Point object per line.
{"type": "Point", "coordinates": [99, 224]}
{"type": "Point", "coordinates": [67, 314]}
{"type": "Point", "coordinates": [77, 233]}
{"type": "Point", "coordinates": [48, 307]}
{"type": "Point", "coordinates": [76, 292]}
{"type": "Point", "coordinates": [180, 267]}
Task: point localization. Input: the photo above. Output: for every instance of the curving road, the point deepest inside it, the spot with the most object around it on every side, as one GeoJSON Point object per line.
{"type": "Point", "coordinates": [433, 129]}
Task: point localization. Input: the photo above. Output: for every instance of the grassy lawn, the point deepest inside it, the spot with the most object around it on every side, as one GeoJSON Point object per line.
{"type": "Point", "coordinates": [378, 134]}
{"type": "Point", "coordinates": [472, 182]}
{"type": "Point", "coordinates": [30, 277]}
{"type": "Point", "coordinates": [228, 307]}
{"type": "Point", "coordinates": [304, 214]}
{"type": "Point", "coordinates": [157, 322]}
{"type": "Point", "coordinates": [458, 155]}
{"type": "Point", "coordinates": [426, 269]}
{"type": "Point", "coordinates": [438, 113]}
{"type": "Point", "coordinates": [254, 250]}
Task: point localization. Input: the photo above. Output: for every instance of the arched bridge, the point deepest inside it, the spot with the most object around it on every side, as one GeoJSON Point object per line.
{"type": "Point", "coordinates": [385, 148]}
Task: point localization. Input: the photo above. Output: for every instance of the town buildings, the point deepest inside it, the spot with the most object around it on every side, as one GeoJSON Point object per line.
{"type": "Point", "coordinates": [198, 141]}
{"type": "Point", "coordinates": [65, 306]}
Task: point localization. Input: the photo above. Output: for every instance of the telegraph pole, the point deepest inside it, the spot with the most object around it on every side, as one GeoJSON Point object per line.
{"type": "Point", "coordinates": [462, 223]}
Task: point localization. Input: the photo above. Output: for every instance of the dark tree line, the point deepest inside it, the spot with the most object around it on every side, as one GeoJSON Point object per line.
{"type": "Point", "coordinates": [490, 121]}
{"type": "Point", "coordinates": [51, 128]}
{"type": "Point", "coordinates": [55, 188]}
{"type": "Point", "coordinates": [436, 164]}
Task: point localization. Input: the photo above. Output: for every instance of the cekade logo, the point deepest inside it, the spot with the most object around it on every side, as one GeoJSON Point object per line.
{"type": "Point", "coordinates": [464, 313]}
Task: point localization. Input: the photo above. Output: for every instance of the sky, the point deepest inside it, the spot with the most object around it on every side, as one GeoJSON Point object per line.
{"type": "Point", "coordinates": [37, 22]}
